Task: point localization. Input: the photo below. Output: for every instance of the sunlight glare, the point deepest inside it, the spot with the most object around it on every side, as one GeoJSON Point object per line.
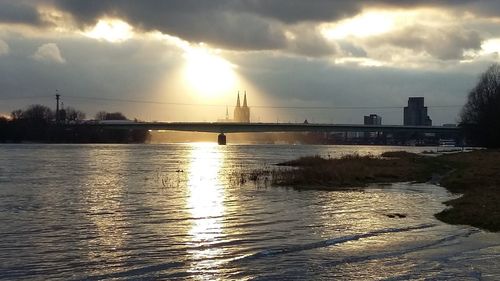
{"type": "Point", "coordinates": [101, 194]}
{"type": "Point", "coordinates": [368, 24]}
{"type": "Point", "coordinates": [205, 201]}
{"type": "Point", "coordinates": [111, 30]}
{"type": "Point", "coordinates": [207, 73]}
{"type": "Point", "coordinates": [377, 22]}
{"type": "Point", "coordinates": [491, 46]}
{"type": "Point", "coordinates": [206, 192]}
{"type": "Point", "coordinates": [359, 61]}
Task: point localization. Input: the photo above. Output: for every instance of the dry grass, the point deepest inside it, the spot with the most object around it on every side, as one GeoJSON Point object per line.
{"type": "Point", "coordinates": [351, 171]}
{"type": "Point", "coordinates": [477, 177]}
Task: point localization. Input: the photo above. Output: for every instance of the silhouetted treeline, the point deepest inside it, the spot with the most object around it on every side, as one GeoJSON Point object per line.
{"type": "Point", "coordinates": [103, 115]}
{"type": "Point", "coordinates": [37, 123]}
{"type": "Point", "coordinates": [480, 116]}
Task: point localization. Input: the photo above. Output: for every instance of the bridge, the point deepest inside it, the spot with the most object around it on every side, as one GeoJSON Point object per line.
{"type": "Point", "coordinates": [233, 127]}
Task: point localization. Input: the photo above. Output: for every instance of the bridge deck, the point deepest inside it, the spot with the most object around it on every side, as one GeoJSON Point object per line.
{"type": "Point", "coordinates": [229, 127]}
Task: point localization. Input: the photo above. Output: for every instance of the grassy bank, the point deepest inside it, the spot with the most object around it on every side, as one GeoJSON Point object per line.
{"type": "Point", "coordinates": [355, 171]}
{"type": "Point", "coordinates": [477, 177]}
{"type": "Point", "coordinates": [474, 174]}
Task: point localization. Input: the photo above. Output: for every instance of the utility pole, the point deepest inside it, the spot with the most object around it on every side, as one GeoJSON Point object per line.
{"type": "Point", "coordinates": [57, 106]}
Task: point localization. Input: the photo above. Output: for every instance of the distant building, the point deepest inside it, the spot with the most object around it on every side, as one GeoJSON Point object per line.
{"type": "Point", "coordinates": [226, 119]}
{"type": "Point", "coordinates": [373, 119]}
{"type": "Point", "coordinates": [242, 113]}
{"type": "Point", "coordinates": [415, 114]}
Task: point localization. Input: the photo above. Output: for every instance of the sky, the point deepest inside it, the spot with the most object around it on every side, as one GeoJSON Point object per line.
{"type": "Point", "coordinates": [186, 60]}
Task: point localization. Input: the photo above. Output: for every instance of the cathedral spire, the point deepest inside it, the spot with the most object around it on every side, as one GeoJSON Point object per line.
{"type": "Point", "coordinates": [245, 99]}
{"type": "Point", "coordinates": [238, 101]}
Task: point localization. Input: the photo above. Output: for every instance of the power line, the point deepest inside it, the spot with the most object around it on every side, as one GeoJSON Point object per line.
{"type": "Point", "coordinates": [24, 97]}
{"type": "Point", "coordinates": [254, 106]}
{"type": "Point", "coordinates": [349, 107]}
{"type": "Point", "coordinates": [138, 101]}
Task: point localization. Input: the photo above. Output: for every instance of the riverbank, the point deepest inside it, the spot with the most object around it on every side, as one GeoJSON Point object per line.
{"type": "Point", "coordinates": [475, 175]}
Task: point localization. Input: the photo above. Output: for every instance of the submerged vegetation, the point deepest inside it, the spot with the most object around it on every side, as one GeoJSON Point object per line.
{"type": "Point", "coordinates": [475, 175]}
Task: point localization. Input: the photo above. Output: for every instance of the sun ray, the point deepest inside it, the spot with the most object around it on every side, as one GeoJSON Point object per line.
{"type": "Point", "coordinates": [207, 73]}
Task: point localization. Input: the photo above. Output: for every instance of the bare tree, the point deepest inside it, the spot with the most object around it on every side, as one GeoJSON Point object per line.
{"type": "Point", "coordinates": [38, 113]}
{"type": "Point", "coordinates": [16, 114]}
{"type": "Point", "coordinates": [73, 114]}
{"type": "Point", "coordinates": [480, 116]}
{"type": "Point", "coordinates": [101, 115]}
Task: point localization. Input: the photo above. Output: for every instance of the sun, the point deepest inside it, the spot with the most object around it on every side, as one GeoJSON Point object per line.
{"type": "Point", "coordinates": [207, 73]}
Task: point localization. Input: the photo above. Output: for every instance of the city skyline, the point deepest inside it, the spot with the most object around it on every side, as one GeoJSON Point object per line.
{"type": "Point", "coordinates": [372, 54]}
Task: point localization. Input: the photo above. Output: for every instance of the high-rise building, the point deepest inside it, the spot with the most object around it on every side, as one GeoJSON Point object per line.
{"type": "Point", "coordinates": [415, 114]}
{"type": "Point", "coordinates": [242, 113]}
{"type": "Point", "coordinates": [373, 119]}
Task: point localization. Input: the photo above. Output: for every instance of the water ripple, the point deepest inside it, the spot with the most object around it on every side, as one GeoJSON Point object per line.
{"type": "Point", "coordinates": [94, 212]}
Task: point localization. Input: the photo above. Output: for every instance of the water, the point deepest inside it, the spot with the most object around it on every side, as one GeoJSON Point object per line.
{"type": "Point", "coordinates": [93, 212]}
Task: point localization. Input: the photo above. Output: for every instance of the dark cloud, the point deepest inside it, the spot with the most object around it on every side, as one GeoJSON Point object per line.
{"type": "Point", "coordinates": [157, 13]}
{"type": "Point", "coordinates": [212, 22]}
{"type": "Point", "coordinates": [19, 13]}
{"type": "Point", "coordinates": [308, 41]}
{"type": "Point", "coordinates": [232, 24]}
{"type": "Point", "coordinates": [294, 11]}
{"type": "Point", "coordinates": [490, 8]}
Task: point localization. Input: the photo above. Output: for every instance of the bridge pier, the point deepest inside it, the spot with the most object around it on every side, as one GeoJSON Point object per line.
{"type": "Point", "coordinates": [221, 139]}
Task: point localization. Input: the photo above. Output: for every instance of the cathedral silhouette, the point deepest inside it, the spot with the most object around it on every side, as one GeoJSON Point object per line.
{"type": "Point", "coordinates": [242, 113]}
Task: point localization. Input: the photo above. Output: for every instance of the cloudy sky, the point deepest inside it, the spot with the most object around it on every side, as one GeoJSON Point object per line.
{"type": "Point", "coordinates": [184, 60]}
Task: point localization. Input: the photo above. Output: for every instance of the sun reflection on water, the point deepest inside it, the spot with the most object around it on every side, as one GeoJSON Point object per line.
{"type": "Point", "coordinates": [102, 194]}
{"type": "Point", "coordinates": [206, 204]}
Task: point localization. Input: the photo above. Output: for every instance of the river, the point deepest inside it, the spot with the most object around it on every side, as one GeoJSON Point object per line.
{"type": "Point", "coordinates": [178, 211]}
